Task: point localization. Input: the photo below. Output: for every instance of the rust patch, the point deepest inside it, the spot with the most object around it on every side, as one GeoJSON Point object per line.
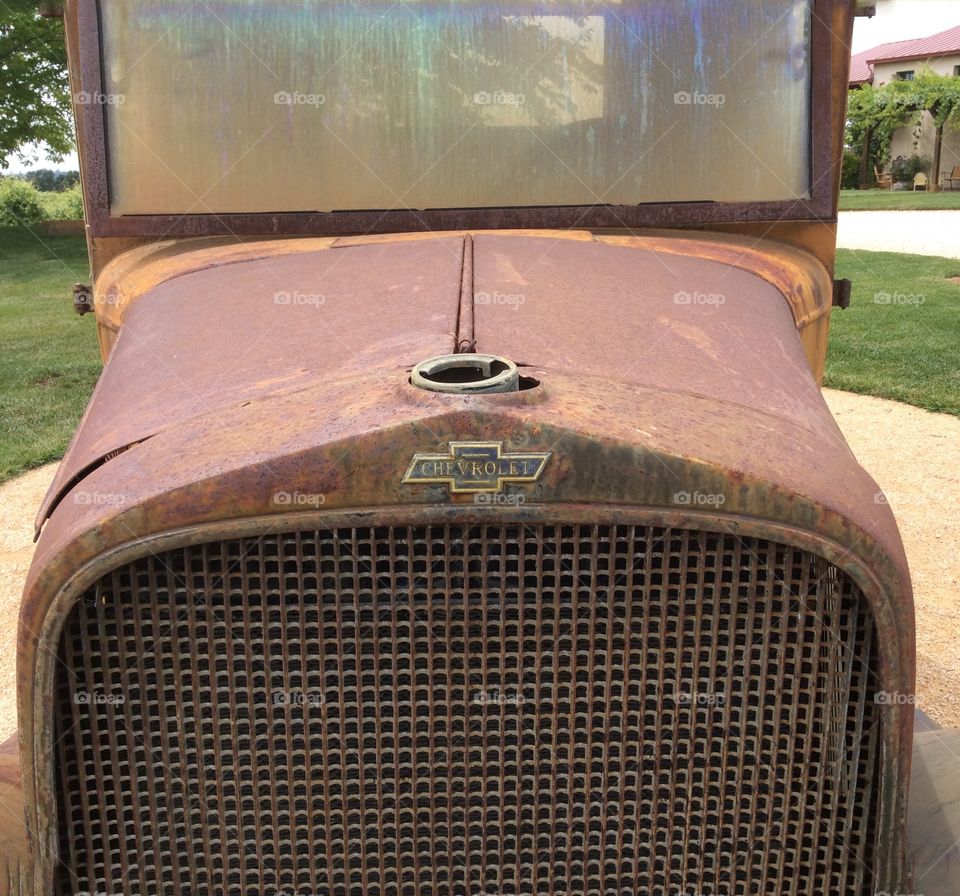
{"type": "Point", "coordinates": [258, 326]}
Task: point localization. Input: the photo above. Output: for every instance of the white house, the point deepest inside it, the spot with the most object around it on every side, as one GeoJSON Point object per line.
{"type": "Point", "coordinates": [903, 60]}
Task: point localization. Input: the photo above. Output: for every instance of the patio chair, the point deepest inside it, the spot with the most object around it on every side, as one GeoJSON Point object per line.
{"type": "Point", "coordinates": [950, 180]}
{"type": "Point", "coordinates": [920, 181]}
{"type": "Point", "coordinates": [884, 178]}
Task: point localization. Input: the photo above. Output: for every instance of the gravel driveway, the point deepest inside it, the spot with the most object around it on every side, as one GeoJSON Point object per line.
{"type": "Point", "coordinates": [916, 233]}
{"type": "Point", "coordinates": [912, 454]}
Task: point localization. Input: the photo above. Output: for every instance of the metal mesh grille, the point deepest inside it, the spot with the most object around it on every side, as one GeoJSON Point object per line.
{"type": "Point", "coordinates": [508, 709]}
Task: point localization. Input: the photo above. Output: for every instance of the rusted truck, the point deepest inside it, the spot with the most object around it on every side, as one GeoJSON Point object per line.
{"type": "Point", "coordinates": [458, 511]}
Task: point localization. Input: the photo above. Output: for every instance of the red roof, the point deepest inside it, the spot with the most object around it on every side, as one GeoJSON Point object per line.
{"type": "Point", "coordinates": [860, 71]}
{"type": "Point", "coordinates": [946, 43]}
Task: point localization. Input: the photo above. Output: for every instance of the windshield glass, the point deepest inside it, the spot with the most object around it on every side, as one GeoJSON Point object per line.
{"type": "Point", "coordinates": [320, 105]}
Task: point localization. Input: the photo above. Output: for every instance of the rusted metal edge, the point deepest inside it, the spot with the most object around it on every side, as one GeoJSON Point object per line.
{"type": "Point", "coordinates": [558, 217]}
{"type": "Point", "coordinates": [77, 479]}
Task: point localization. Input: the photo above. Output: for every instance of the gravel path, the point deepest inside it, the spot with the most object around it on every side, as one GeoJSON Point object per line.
{"type": "Point", "coordinates": [916, 233]}
{"type": "Point", "coordinates": [910, 452]}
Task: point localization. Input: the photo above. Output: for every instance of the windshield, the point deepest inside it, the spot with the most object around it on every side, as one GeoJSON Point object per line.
{"type": "Point", "coordinates": [317, 105]}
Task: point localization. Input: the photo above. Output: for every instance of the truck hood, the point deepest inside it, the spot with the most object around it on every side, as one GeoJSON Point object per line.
{"type": "Point", "coordinates": [205, 328]}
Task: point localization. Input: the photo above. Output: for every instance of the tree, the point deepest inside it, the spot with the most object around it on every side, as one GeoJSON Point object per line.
{"type": "Point", "coordinates": [874, 113]}
{"type": "Point", "coordinates": [48, 181]}
{"type": "Point", "coordinates": [940, 96]}
{"type": "Point", "coordinates": [35, 103]}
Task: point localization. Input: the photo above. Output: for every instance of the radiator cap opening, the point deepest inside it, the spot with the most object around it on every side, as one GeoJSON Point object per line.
{"type": "Point", "coordinates": [467, 374]}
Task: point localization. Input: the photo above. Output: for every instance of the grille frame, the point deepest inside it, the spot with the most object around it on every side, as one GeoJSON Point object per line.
{"type": "Point", "coordinates": [37, 738]}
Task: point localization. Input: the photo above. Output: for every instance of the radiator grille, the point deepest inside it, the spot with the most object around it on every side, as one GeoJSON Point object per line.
{"type": "Point", "coordinates": [495, 709]}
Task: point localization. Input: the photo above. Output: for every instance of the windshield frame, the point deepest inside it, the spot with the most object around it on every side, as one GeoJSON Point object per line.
{"type": "Point", "coordinates": [826, 61]}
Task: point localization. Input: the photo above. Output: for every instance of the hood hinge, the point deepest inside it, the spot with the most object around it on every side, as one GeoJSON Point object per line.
{"type": "Point", "coordinates": [841, 293]}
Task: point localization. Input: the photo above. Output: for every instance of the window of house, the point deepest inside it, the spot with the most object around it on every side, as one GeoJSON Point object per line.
{"type": "Point", "coordinates": [904, 76]}
{"type": "Point", "coordinates": [956, 71]}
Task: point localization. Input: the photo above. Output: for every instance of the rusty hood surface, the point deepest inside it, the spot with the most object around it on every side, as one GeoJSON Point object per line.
{"type": "Point", "coordinates": [232, 325]}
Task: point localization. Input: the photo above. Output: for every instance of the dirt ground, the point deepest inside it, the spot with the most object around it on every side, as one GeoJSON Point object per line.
{"type": "Point", "coordinates": [913, 454]}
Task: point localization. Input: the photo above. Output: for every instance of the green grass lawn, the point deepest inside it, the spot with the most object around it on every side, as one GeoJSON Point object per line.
{"type": "Point", "coordinates": [900, 338]}
{"type": "Point", "coordinates": [49, 360]}
{"type": "Point", "coordinates": [907, 348]}
{"type": "Point", "coordinates": [876, 200]}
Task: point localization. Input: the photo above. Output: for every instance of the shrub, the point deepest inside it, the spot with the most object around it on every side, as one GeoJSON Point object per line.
{"type": "Point", "coordinates": [65, 206]}
{"type": "Point", "coordinates": [850, 179]}
{"type": "Point", "coordinates": [20, 204]}
{"type": "Point", "coordinates": [904, 170]}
